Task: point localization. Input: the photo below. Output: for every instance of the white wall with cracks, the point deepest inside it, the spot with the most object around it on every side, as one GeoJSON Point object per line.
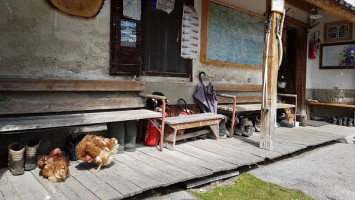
{"type": "Point", "coordinates": [38, 41]}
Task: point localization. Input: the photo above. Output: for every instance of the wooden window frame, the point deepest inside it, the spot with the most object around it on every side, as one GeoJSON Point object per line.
{"type": "Point", "coordinates": [125, 69]}
{"type": "Point", "coordinates": [337, 24]}
{"type": "Point", "coordinates": [204, 36]}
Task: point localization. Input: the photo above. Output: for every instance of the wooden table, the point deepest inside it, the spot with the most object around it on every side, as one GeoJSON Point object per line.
{"type": "Point", "coordinates": [173, 124]}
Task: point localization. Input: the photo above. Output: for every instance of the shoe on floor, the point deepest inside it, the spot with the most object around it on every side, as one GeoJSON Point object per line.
{"type": "Point", "coordinates": [16, 158]}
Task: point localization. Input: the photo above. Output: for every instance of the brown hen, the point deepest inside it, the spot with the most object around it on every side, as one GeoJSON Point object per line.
{"type": "Point", "coordinates": [97, 149]}
{"type": "Point", "coordinates": [55, 166]}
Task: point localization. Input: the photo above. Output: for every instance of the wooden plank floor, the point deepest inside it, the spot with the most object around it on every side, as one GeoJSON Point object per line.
{"type": "Point", "coordinates": [147, 168]}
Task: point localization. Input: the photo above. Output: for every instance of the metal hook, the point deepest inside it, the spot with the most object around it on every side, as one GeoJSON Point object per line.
{"type": "Point", "coordinates": [200, 78]}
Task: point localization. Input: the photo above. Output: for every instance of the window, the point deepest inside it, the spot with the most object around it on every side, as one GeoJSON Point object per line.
{"type": "Point", "coordinates": [157, 49]}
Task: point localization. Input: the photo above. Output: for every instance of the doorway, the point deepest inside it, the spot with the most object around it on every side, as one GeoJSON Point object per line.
{"type": "Point", "coordinates": [293, 68]}
{"type": "Point", "coordinates": [287, 72]}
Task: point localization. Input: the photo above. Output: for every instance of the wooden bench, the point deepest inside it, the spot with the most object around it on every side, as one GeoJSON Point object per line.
{"type": "Point", "coordinates": [316, 103]}
{"type": "Point", "coordinates": [243, 101]}
{"type": "Point", "coordinates": [27, 115]}
{"type": "Point", "coordinates": [173, 124]}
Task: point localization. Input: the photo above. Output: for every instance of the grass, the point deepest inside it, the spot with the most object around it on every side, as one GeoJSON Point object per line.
{"type": "Point", "coordinates": [249, 187]}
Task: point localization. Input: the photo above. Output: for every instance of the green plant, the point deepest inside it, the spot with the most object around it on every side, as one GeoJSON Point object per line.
{"type": "Point", "coordinates": [249, 187]}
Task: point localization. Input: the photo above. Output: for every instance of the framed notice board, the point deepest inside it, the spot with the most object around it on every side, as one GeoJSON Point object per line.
{"type": "Point", "coordinates": [231, 36]}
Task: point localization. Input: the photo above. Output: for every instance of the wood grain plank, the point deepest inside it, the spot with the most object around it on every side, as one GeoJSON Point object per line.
{"type": "Point", "coordinates": [75, 190]}
{"type": "Point", "coordinates": [192, 118]}
{"type": "Point", "coordinates": [195, 124]}
{"type": "Point", "coordinates": [228, 164]}
{"type": "Point", "coordinates": [331, 104]}
{"type": "Point", "coordinates": [240, 99]}
{"type": "Point", "coordinates": [69, 85]}
{"type": "Point", "coordinates": [106, 174]}
{"type": "Point", "coordinates": [251, 107]}
{"type": "Point", "coordinates": [166, 168]}
{"type": "Point", "coordinates": [148, 170]}
{"type": "Point", "coordinates": [191, 135]}
{"type": "Point", "coordinates": [284, 147]}
{"type": "Point", "coordinates": [178, 162]}
{"type": "Point", "coordinates": [52, 188]}
{"type": "Point", "coordinates": [52, 121]}
{"type": "Point", "coordinates": [236, 87]}
{"type": "Point", "coordinates": [98, 187]}
{"type": "Point", "coordinates": [204, 31]}
{"type": "Point", "coordinates": [268, 116]}
{"type": "Point", "coordinates": [195, 161]}
{"type": "Point", "coordinates": [7, 190]}
{"type": "Point", "coordinates": [244, 158]}
{"type": "Point", "coordinates": [136, 177]}
{"type": "Point", "coordinates": [251, 149]}
{"type": "Point", "coordinates": [27, 186]}
{"type": "Point", "coordinates": [50, 106]}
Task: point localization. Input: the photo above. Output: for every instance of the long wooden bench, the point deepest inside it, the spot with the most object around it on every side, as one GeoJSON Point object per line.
{"type": "Point", "coordinates": [328, 104]}
{"type": "Point", "coordinates": [243, 101]}
{"type": "Point", "coordinates": [27, 115]}
{"type": "Point", "coordinates": [173, 124]}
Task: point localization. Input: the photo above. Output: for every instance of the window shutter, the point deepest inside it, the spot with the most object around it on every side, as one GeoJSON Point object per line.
{"type": "Point", "coordinates": [124, 60]}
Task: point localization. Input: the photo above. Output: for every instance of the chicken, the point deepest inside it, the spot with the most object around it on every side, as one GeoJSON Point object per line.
{"type": "Point", "coordinates": [55, 166]}
{"type": "Point", "coordinates": [97, 149]}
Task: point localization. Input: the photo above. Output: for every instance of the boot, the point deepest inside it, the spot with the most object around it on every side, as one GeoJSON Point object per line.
{"type": "Point", "coordinates": [117, 130]}
{"type": "Point", "coordinates": [70, 146]}
{"type": "Point", "coordinates": [130, 137]}
{"type": "Point", "coordinates": [345, 121]}
{"type": "Point", "coordinates": [31, 154]}
{"type": "Point", "coordinates": [246, 127]}
{"type": "Point", "coordinates": [340, 121]}
{"type": "Point", "coordinates": [350, 122]}
{"type": "Point", "coordinates": [16, 158]}
{"type": "Point", "coordinates": [335, 120]}
{"type": "Point", "coordinates": [222, 128]}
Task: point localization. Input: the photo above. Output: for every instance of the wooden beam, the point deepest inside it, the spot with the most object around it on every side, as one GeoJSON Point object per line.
{"type": "Point", "coordinates": [240, 99]}
{"type": "Point", "coordinates": [49, 106]}
{"type": "Point", "coordinates": [237, 88]}
{"type": "Point", "coordinates": [295, 22]}
{"type": "Point", "coordinates": [302, 5]}
{"type": "Point", "coordinates": [268, 114]}
{"type": "Point", "coordinates": [53, 121]}
{"type": "Point", "coordinates": [204, 30]}
{"type": "Point", "coordinates": [344, 105]}
{"type": "Point", "coordinates": [334, 8]}
{"type": "Point", "coordinates": [22, 85]}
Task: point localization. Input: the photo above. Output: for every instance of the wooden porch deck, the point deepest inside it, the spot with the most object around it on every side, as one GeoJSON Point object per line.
{"type": "Point", "coordinates": [147, 168]}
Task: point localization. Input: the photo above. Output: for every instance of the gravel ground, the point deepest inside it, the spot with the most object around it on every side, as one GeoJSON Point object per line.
{"type": "Point", "coordinates": [324, 173]}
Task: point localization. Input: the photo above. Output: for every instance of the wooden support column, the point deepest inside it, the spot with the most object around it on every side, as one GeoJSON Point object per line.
{"type": "Point", "coordinates": [268, 116]}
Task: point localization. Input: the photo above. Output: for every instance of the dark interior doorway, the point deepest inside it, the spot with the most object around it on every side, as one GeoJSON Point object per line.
{"type": "Point", "coordinates": [288, 69]}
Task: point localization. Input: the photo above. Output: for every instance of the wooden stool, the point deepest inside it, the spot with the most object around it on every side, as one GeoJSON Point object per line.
{"type": "Point", "coordinates": [173, 124]}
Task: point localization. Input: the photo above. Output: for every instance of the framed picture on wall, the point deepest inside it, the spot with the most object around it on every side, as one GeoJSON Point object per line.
{"type": "Point", "coordinates": [338, 55]}
{"type": "Point", "coordinates": [332, 32]}
{"type": "Point", "coordinates": [338, 31]}
{"type": "Point", "coordinates": [343, 31]}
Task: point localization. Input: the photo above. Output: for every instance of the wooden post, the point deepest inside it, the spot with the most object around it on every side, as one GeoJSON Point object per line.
{"type": "Point", "coordinates": [268, 115]}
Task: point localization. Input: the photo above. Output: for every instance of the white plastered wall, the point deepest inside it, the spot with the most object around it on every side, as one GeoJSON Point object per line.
{"type": "Point", "coordinates": [329, 78]}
